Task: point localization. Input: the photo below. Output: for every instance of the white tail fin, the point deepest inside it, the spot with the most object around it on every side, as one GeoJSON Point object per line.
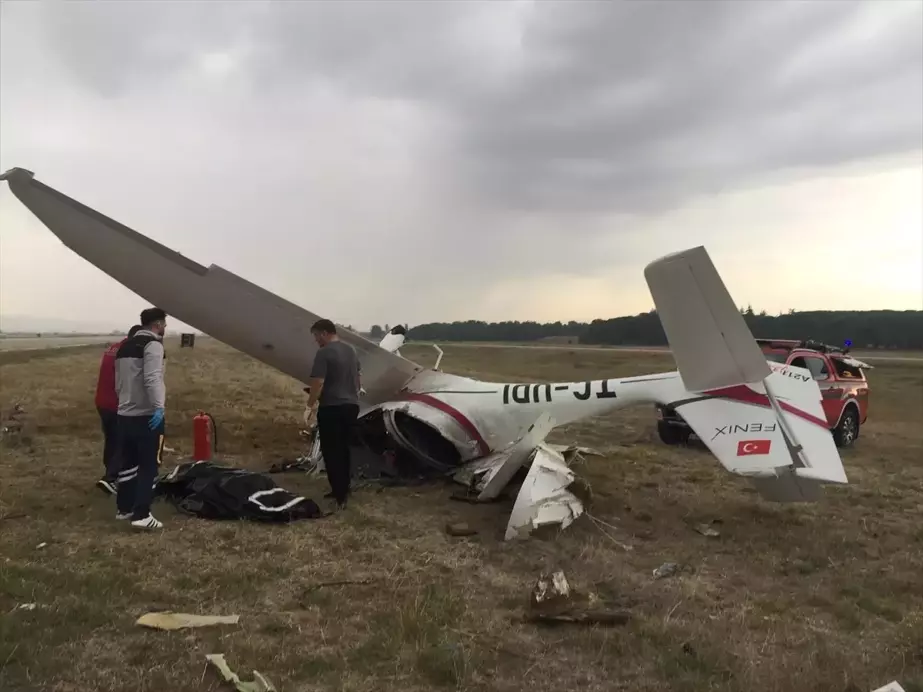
{"type": "Point", "coordinates": [711, 343]}
{"type": "Point", "coordinates": [763, 422]}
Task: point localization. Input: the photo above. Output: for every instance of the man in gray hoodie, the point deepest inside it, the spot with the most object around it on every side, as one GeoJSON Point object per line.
{"type": "Point", "coordinates": [139, 366]}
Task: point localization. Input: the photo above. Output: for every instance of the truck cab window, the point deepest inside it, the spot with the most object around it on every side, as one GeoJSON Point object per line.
{"type": "Point", "coordinates": [818, 368]}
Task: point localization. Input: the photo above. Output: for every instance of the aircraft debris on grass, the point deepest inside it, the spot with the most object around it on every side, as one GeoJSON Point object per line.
{"type": "Point", "coordinates": [486, 434]}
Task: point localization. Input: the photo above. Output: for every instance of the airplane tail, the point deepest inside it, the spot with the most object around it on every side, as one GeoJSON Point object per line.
{"type": "Point", "coordinates": [766, 423]}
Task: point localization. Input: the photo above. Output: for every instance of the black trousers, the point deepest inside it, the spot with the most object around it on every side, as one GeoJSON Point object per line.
{"type": "Point", "coordinates": [140, 449]}
{"type": "Point", "coordinates": [335, 425]}
{"type": "Point", "coordinates": [109, 421]}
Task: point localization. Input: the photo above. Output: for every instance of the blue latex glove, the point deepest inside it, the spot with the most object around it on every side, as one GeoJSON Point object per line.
{"type": "Point", "coordinates": [156, 419]}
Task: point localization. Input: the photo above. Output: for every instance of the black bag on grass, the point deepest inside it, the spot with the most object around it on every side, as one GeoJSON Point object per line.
{"type": "Point", "coordinates": [212, 491]}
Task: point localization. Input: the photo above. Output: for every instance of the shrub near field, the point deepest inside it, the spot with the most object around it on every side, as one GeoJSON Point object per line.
{"type": "Point", "coordinates": [825, 597]}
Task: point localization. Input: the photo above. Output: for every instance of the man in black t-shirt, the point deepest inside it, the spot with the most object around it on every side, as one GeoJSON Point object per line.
{"type": "Point", "coordinates": [333, 400]}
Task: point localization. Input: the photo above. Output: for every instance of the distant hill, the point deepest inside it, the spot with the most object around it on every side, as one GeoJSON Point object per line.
{"type": "Point", "coordinates": [893, 329]}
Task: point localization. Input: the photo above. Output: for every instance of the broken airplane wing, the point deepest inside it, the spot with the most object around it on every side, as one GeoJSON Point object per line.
{"type": "Point", "coordinates": [220, 303]}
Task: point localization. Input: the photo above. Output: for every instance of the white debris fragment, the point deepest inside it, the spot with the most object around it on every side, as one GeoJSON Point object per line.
{"type": "Point", "coordinates": [544, 498]}
{"type": "Point", "coordinates": [667, 569]}
{"type": "Point", "coordinates": [890, 687]}
{"type": "Point", "coordinates": [176, 621]}
{"type": "Point", "coordinates": [258, 684]}
{"type": "Point", "coordinates": [550, 588]}
{"type": "Point", "coordinates": [500, 467]}
{"type": "Point", "coordinates": [574, 454]}
{"type": "Point", "coordinates": [708, 531]}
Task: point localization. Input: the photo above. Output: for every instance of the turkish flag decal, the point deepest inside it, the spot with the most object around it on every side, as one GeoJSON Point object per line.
{"type": "Point", "coordinates": [747, 447]}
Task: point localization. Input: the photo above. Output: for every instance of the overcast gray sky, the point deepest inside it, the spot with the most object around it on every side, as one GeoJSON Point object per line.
{"type": "Point", "coordinates": [420, 161]}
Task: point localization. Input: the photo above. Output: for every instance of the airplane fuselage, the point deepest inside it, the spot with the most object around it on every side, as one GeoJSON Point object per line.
{"type": "Point", "coordinates": [479, 417]}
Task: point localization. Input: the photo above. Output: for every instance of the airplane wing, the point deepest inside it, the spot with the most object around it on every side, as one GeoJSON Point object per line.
{"type": "Point", "coordinates": [218, 302]}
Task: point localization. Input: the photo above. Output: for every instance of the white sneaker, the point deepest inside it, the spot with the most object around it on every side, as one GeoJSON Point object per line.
{"type": "Point", "coordinates": [121, 516]}
{"type": "Point", "coordinates": [149, 522]}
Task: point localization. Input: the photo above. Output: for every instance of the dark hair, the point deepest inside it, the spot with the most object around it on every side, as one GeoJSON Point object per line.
{"type": "Point", "coordinates": [324, 327]}
{"type": "Point", "coordinates": [133, 330]}
{"type": "Point", "coordinates": [151, 315]}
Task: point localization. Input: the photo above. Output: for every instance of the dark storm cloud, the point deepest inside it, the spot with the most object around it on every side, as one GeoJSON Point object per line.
{"type": "Point", "coordinates": [632, 105]}
{"type": "Point", "coordinates": [557, 106]}
{"type": "Point", "coordinates": [625, 106]}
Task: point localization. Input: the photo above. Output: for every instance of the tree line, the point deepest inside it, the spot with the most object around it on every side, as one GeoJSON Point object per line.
{"type": "Point", "coordinates": [895, 329]}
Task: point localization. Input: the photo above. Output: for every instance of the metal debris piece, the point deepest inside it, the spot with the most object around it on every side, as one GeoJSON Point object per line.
{"type": "Point", "coordinates": [506, 463]}
{"type": "Point", "coordinates": [259, 683]}
{"type": "Point", "coordinates": [544, 498]}
{"type": "Point", "coordinates": [460, 528]}
{"type": "Point", "coordinates": [667, 569]}
{"type": "Point", "coordinates": [554, 602]}
{"type": "Point", "coordinates": [550, 493]}
{"type": "Point", "coordinates": [26, 606]}
{"type": "Point", "coordinates": [707, 530]}
{"type": "Point", "coordinates": [893, 686]}
{"type": "Point", "coordinates": [40, 546]}
{"type": "Point", "coordinates": [177, 621]}
{"type": "Point", "coordinates": [585, 617]}
{"type": "Point", "coordinates": [573, 454]}
{"type": "Point", "coordinates": [550, 588]}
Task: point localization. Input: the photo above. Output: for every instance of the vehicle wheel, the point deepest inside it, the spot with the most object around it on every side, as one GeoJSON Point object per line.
{"type": "Point", "coordinates": [847, 430]}
{"type": "Point", "coordinates": [671, 434]}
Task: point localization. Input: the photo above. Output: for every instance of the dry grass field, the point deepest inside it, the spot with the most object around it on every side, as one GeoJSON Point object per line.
{"type": "Point", "coordinates": [819, 598]}
{"type": "Point", "coordinates": [28, 343]}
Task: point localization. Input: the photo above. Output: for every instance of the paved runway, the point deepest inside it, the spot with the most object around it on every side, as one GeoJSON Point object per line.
{"type": "Point", "coordinates": [33, 343]}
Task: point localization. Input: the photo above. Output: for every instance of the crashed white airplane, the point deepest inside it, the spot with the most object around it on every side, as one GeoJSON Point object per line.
{"type": "Point", "coordinates": [761, 420]}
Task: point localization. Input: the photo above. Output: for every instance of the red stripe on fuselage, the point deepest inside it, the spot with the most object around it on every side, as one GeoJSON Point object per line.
{"type": "Point", "coordinates": [457, 415]}
{"type": "Point", "coordinates": [746, 395]}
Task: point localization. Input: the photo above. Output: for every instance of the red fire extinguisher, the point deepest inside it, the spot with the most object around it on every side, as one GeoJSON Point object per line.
{"type": "Point", "coordinates": [204, 437]}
